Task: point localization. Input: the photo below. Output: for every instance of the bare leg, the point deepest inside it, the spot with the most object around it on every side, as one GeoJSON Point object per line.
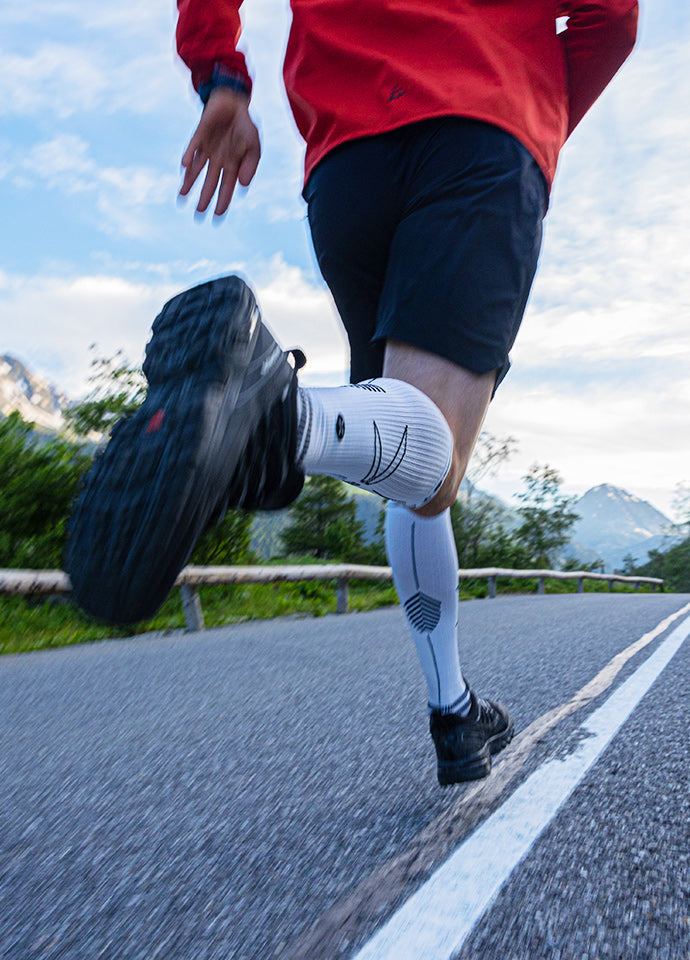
{"type": "Point", "coordinates": [462, 397]}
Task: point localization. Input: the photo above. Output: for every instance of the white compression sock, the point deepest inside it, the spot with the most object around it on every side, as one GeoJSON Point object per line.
{"type": "Point", "coordinates": [384, 435]}
{"type": "Point", "coordinates": [421, 551]}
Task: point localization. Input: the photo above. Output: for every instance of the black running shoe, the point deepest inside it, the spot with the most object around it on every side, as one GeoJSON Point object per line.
{"type": "Point", "coordinates": [465, 745]}
{"type": "Point", "coordinates": [217, 430]}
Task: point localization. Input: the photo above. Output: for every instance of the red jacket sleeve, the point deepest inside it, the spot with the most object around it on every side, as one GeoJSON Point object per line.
{"type": "Point", "coordinates": [598, 39]}
{"type": "Point", "coordinates": [207, 35]}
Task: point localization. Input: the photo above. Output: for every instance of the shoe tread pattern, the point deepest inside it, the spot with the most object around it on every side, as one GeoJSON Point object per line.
{"type": "Point", "coordinates": [147, 498]}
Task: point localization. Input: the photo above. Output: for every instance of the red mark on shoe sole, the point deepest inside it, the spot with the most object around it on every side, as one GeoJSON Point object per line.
{"type": "Point", "coordinates": [155, 421]}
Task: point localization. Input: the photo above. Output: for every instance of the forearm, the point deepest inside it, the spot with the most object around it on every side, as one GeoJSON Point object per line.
{"type": "Point", "coordinates": [598, 39]}
{"type": "Point", "coordinates": [207, 36]}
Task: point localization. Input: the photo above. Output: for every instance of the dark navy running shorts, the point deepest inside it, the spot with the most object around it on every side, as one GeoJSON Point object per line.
{"type": "Point", "coordinates": [429, 235]}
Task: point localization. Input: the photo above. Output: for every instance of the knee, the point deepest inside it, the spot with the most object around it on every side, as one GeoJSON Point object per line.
{"type": "Point", "coordinates": [448, 490]}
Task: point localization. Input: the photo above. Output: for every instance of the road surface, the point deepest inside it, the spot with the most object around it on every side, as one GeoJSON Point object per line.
{"type": "Point", "coordinates": [267, 790]}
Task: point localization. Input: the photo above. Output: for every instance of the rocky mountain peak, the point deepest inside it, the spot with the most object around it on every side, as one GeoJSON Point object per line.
{"type": "Point", "coordinates": [36, 400]}
{"type": "Point", "coordinates": [614, 523]}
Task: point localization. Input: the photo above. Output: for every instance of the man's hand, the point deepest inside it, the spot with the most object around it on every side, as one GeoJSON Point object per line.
{"type": "Point", "coordinates": [227, 140]}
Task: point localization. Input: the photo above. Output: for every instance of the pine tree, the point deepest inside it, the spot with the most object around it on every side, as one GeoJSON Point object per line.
{"type": "Point", "coordinates": [323, 522]}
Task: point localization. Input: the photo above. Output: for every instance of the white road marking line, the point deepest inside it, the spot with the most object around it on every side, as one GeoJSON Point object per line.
{"type": "Point", "coordinates": [370, 898]}
{"type": "Point", "coordinates": [435, 922]}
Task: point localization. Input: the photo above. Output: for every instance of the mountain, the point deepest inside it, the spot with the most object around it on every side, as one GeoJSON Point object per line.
{"type": "Point", "coordinates": [614, 523]}
{"type": "Point", "coordinates": [36, 400]}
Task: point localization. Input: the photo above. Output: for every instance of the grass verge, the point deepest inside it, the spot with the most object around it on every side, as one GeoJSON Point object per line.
{"type": "Point", "coordinates": [27, 624]}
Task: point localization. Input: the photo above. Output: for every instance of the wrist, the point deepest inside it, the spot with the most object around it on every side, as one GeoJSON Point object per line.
{"type": "Point", "coordinates": [229, 79]}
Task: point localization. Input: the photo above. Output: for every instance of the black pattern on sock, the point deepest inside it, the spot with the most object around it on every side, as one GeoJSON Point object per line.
{"type": "Point", "coordinates": [461, 705]}
{"type": "Point", "coordinates": [371, 387]}
{"type": "Point", "coordinates": [423, 612]}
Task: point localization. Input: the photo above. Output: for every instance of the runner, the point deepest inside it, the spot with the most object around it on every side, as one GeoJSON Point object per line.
{"type": "Point", "coordinates": [432, 136]}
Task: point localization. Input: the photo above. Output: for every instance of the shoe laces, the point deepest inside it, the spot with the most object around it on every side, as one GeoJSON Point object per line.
{"type": "Point", "coordinates": [269, 457]}
{"type": "Point", "coordinates": [486, 711]}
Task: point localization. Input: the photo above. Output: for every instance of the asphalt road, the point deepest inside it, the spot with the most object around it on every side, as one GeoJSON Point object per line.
{"type": "Point", "coordinates": [251, 792]}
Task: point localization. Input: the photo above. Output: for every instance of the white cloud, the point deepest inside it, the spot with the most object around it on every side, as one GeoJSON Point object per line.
{"type": "Point", "coordinates": [636, 436]}
{"type": "Point", "coordinates": [126, 17]}
{"type": "Point", "coordinates": [600, 387]}
{"type": "Point", "coordinates": [50, 322]}
{"type": "Point", "coordinates": [63, 163]}
{"type": "Point", "coordinates": [56, 80]}
{"type": "Point", "coordinates": [119, 57]}
{"type": "Point", "coordinates": [302, 314]}
{"type": "Point", "coordinates": [623, 330]}
{"type": "Point", "coordinates": [64, 80]}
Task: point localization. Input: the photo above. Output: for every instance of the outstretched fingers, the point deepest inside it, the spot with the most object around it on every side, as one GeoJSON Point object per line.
{"type": "Point", "coordinates": [227, 143]}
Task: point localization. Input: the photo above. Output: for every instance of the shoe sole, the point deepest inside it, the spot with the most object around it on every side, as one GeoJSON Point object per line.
{"type": "Point", "coordinates": [151, 492]}
{"type": "Point", "coordinates": [476, 766]}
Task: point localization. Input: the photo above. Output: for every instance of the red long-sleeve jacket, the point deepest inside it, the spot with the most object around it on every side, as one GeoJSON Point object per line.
{"type": "Point", "coordinates": [355, 68]}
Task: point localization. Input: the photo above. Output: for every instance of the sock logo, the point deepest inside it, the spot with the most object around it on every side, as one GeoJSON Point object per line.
{"type": "Point", "coordinates": [377, 473]}
{"type": "Point", "coordinates": [423, 612]}
{"type": "Point", "coordinates": [340, 427]}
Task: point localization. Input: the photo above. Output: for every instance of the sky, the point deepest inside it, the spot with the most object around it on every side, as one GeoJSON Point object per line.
{"type": "Point", "coordinates": [95, 113]}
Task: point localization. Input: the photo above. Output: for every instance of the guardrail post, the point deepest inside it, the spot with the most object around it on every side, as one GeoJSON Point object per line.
{"type": "Point", "coordinates": [580, 584]}
{"type": "Point", "coordinates": [492, 587]}
{"type": "Point", "coordinates": [342, 596]}
{"type": "Point", "coordinates": [191, 604]}
{"type": "Point", "coordinates": [540, 585]}
{"type": "Point", "coordinates": [611, 586]}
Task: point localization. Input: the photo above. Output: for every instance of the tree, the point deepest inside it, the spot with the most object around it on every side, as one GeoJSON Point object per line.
{"type": "Point", "coordinates": [323, 522]}
{"type": "Point", "coordinates": [673, 566]}
{"type": "Point", "coordinates": [546, 515]}
{"type": "Point", "coordinates": [480, 532]}
{"type": "Point", "coordinates": [226, 542]}
{"type": "Point", "coordinates": [595, 566]}
{"type": "Point", "coordinates": [479, 522]}
{"type": "Point", "coordinates": [38, 480]}
{"type": "Point", "coordinates": [118, 390]}
{"type": "Point", "coordinates": [375, 552]}
{"type": "Point", "coordinates": [488, 456]}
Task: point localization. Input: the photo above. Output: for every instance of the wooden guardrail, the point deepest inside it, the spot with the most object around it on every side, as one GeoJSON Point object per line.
{"type": "Point", "coordinates": [49, 582]}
